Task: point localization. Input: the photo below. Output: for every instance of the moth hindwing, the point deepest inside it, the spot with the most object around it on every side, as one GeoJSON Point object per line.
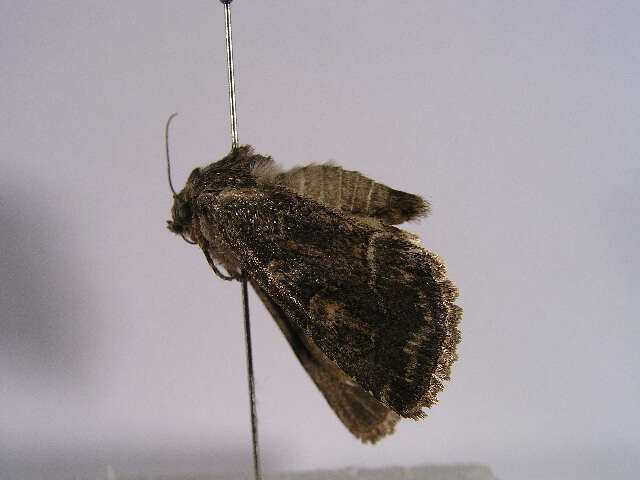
{"type": "Point", "coordinates": [367, 311]}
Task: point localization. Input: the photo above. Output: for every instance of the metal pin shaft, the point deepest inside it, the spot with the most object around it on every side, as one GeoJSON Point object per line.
{"type": "Point", "coordinates": [230, 74]}
{"type": "Point", "coordinates": [245, 296]}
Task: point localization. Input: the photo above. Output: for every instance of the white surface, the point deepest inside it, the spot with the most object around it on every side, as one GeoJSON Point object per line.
{"type": "Point", "coordinates": [444, 472]}
{"type": "Point", "coordinates": [517, 120]}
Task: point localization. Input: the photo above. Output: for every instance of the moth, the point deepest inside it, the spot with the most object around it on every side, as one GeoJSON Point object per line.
{"type": "Point", "coordinates": [368, 312]}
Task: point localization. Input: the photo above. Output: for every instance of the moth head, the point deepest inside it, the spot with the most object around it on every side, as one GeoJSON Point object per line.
{"type": "Point", "coordinates": [181, 216]}
{"type": "Point", "coordinates": [182, 212]}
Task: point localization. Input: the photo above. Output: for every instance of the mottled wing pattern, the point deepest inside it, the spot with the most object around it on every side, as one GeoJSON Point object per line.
{"type": "Point", "coordinates": [374, 303]}
{"type": "Point", "coordinates": [364, 416]}
{"type": "Point", "coordinates": [353, 193]}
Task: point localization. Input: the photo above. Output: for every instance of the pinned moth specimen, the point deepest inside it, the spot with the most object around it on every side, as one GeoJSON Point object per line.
{"type": "Point", "coordinates": [368, 312]}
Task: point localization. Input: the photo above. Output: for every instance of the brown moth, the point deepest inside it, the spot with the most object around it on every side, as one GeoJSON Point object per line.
{"type": "Point", "coordinates": [367, 311]}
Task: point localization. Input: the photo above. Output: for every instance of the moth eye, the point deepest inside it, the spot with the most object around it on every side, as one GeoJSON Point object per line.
{"type": "Point", "coordinates": [174, 227]}
{"type": "Point", "coordinates": [185, 212]}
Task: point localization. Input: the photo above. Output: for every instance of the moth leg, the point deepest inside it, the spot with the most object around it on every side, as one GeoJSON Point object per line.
{"type": "Point", "coordinates": [202, 242]}
{"type": "Point", "coordinates": [186, 239]}
{"type": "Point", "coordinates": [215, 269]}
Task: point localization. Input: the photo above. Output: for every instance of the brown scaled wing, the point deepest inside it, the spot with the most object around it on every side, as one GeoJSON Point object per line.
{"type": "Point", "coordinates": [364, 416]}
{"type": "Point", "coordinates": [374, 303]}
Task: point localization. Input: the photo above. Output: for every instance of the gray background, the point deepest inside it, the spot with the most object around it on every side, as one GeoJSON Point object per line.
{"type": "Point", "coordinates": [517, 120]}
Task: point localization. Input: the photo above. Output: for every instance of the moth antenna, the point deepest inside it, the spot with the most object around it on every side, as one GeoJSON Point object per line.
{"type": "Point", "coordinates": [166, 151]}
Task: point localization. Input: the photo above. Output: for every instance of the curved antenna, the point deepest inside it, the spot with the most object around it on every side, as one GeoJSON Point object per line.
{"type": "Point", "coordinates": [166, 151]}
